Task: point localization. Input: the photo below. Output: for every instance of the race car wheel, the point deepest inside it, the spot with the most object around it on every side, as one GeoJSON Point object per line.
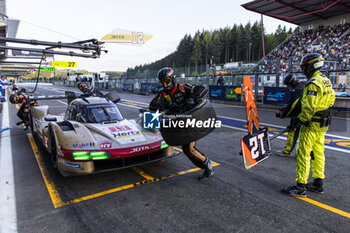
{"type": "Point", "coordinates": [176, 135]}
{"type": "Point", "coordinates": [53, 145]}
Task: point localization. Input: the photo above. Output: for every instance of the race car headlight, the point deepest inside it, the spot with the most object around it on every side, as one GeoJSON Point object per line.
{"type": "Point", "coordinates": [90, 155]}
{"type": "Point", "coordinates": [163, 145]}
{"type": "Point", "coordinates": [98, 155]}
{"type": "Point", "coordinates": [81, 155]}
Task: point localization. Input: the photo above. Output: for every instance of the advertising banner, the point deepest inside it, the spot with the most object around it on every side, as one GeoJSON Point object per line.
{"type": "Point", "coordinates": [233, 93]}
{"type": "Point", "coordinates": [128, 87]}
{"type": "Point", "coordinates": [217, 92]}
{"type": "Point", "coordinates": [276, 95]}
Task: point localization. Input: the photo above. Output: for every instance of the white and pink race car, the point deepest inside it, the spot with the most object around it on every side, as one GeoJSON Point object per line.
{"type": "Point", "coordinates": [93, 136]}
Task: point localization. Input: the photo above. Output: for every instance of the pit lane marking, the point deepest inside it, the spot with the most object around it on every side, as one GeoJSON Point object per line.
{"type": "Point", "coordinates": [324, 206]}
{"type": "Point", "coordinates": [142, 173]}
{"type": "Point", "coordinates": [62, 102]}
{"type": "Point", "coordinates": [8, 216]}
{"type": "Point", "coordinates": [51, 188]}
{"type": "Point", "coordinates": [103, 193]}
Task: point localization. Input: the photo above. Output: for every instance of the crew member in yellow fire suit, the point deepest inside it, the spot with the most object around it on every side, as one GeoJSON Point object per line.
{"type": "Point", "coordinates": [318, 97]}
{"type": "Point", "coordinates": [175, 97]}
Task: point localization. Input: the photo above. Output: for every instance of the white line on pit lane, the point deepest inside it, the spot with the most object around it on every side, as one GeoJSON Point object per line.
{"type": "Point", "coordinates": [8, 217]}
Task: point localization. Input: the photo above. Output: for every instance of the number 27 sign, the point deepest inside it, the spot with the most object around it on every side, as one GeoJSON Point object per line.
{"type": "Point", "coordinates": [71, 64]}
{"type": "Point", "coordinates": [255, 148]}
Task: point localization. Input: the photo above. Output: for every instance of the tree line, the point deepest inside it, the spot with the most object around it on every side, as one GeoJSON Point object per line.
{"type": "Point", "coordinates": [230, 44]}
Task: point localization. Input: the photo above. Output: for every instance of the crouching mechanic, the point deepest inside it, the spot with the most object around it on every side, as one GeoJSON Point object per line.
{"type": "Point", "coordinates": [292, 110]}
{"type": "Point", "coordinates": [318, 97]}
{"type": "Point", "coordinates": [174, 98]}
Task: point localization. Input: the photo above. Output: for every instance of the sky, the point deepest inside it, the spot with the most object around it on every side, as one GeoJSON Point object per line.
{"type": "Point", "coordinates": [168, 22]}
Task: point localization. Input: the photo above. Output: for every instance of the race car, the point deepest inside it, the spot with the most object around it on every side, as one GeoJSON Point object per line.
{"type": "Point", "coordinates": [93, 136]}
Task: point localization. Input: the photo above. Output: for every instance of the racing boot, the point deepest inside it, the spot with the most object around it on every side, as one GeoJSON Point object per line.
{"type": "Point", "coordinates": [208, 170]}
{"type": "Point", "coordinates": [298, 190]}
{"type": "Point", "coordinates": [316, 186]}
{"type": "Point", "coordinates": [282, 153]}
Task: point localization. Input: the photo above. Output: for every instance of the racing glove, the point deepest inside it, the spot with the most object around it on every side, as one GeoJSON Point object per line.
{"type": "Point", "coordinates": [279, 115]}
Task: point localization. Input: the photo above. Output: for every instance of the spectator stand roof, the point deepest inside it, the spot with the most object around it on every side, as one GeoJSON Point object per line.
{"type": "Point", "coordinates": [299, 11]}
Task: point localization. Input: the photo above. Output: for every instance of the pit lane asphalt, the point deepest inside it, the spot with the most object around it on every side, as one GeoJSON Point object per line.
{"type": "Point", "coordinates": [233, 200]}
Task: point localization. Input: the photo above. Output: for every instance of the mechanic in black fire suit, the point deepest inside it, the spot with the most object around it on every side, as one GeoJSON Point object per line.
{"type": "Point", "coordinates": [292, 110]}
{"type": "Point", "coordinates": [177, 98]}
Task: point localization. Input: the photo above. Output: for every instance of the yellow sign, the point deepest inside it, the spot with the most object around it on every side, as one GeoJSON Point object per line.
{"type": "Point", "coordinates": [71, 64]}
{"type": "Point", "coordinates": [128, 37]}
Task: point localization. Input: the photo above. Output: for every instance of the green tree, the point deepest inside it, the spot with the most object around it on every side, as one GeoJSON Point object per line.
{"type": "Point", "coordinates": [216, 47]}
{"type": "Point", "coordinates": [184, 50]}
{"type": "Point", "coordinates": [233, 43]}
{"type": "Point", "coordinates": [196, 56]}
{"type": "Point", "coordinates": [255, 39]}
{"type": "Point", "coordinates": [206, 41]}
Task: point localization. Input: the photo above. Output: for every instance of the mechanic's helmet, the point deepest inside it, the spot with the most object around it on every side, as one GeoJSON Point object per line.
{"type": "Point", "coordinates": [82, 87]}
{"type": "Point", "coordinates": [291, 80]}
{"type": "Point", "coordinates": [310, 63]}
{"type": "Point", "coordinates": [166, 78]}
{"type": "Point", "coordinates": [16, 99]}
{"type": "Point", "coordinates": [13, 98]}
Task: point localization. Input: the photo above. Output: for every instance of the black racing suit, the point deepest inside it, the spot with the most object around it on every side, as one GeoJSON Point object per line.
{"type": "Point", "coordinates": [293, 107]}
{"type": "Point", "coordinates": [177, 101]}
{"type": "Point", "coordinates": [292, 110]}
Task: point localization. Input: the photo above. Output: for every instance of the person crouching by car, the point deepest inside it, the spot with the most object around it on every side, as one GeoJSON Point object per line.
{"type": "Point", "coordinates": [175, 97]}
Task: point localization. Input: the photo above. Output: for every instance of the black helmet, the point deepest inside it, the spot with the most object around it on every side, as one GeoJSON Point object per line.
{"type": "Point", "coordinates": [310, 63]}
{"type": "Point", "coordinates": [291, 80]}
{"type": "Point", "coordinates": [166, 77]}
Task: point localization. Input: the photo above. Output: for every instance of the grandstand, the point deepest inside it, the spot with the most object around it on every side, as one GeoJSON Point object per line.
{"type": "Point", "coordinates": [333, 42]}
{"type": "Point", "coordinates": [324, 27]}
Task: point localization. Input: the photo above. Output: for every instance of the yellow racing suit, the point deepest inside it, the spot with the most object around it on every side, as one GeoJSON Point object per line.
{"type": "Point", "coordinates": [318, 97]}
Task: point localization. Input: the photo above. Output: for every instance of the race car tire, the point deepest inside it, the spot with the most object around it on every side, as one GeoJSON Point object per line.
{"type": "Point", "coordinates": [53, 145]}
{"type": "Point", "coordinates": [175, 136]}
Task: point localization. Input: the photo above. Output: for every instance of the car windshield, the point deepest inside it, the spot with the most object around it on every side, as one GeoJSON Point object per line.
{"type": "Point", "coordinates": [99, 114]}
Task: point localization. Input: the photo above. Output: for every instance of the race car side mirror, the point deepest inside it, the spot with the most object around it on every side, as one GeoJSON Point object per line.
{"type": "Point", "coordinates": [50, 118]}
